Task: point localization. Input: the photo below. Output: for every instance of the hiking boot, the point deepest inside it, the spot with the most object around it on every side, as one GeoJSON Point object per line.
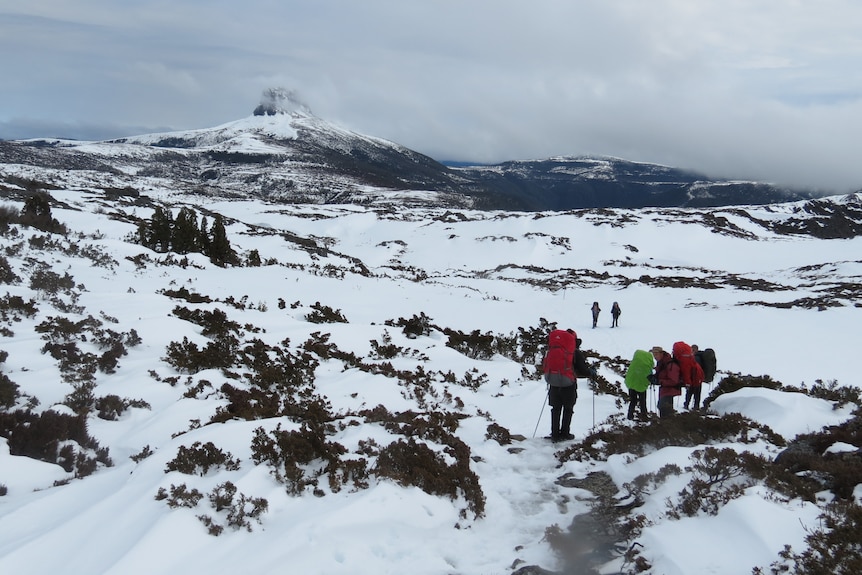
{"type": "Point", "coordinates": [567, 436]}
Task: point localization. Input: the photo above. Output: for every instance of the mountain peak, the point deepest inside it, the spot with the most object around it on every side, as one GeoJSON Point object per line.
{"type": "Point", "coordinates": [280, 101]}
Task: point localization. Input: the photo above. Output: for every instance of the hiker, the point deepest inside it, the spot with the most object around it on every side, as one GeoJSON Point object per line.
{"type": "Point", "coordinates": [706, 360]}
{"type": "Point", "coordinates": [595, 309]}
{"type": "Point", "coordinates": [691, 374]}
{"type": "Point", "coordinates": [668, 379]}
{"type": "Point", "coordinates": [637, 382]}
{"type": "Point", "coordinates": [692, 392]}
{"type": "Point", "coordinates": [558, 367]}
{"type": "Point", "coordinates": [615, 314]}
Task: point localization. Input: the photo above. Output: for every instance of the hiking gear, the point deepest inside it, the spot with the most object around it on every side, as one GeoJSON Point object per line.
{"type": "Point", "coordinates": [708, 363]}
{"type": "Point", "coordinates": [582, 369]}
{"type": "Point", "coordinates": [669, 379]}
{"type": "Point", "coordinates": [690, 371]}
{"type": "Point", "coordinates": [559, 360]}
{"type": "Point", "coordinates": [639, 370]}
{"type": "Point", "coordinates": [540, 415]}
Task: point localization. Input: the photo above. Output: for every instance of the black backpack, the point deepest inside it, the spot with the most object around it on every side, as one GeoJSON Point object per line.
{"type": "Point", "coordinates": [706, 358]}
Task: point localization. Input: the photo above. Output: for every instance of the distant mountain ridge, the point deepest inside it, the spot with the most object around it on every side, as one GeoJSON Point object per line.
{"type": "Point", "coordinates": [284, 153]}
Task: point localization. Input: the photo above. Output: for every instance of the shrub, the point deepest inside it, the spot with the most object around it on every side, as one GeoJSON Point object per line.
{"type": "Point", "coordinates": [200, 458]}
{"type": "Point", "coordinates": [325, 314]}
{"type": "Point", "coordinates": [474, 345]}
{"type": "Point", "coordinates": [414, 327]}
{"type": "Point", "coordinates": [8, 392]}
{"type": "Point", "coordinates": [718, 476]}
{"type": "Point", "coordinates": [191, 297]}
{"type": "Point", "coordinates": [50, 282]}
{"type": "Point", "coordinates": [7, 275]}
{"type": "Point", "coordinates": [142, 454]}
{"type": "Point", "coordinates": [53, 437]}
{"type": "Point", "coordinates": [110, 407]}
{"type": "Point", "coordinates": [179, 496]}
{"type": "Point", "coordinates": [386, 350]}
{"type": "Point", "coordinates": [239, 510]}
{"type": "Point", "coordinates": [499, 434]}
{"type": "Point", "coordinates": [37, 213]}
{"type": "Point", "coordinates": [187, 357]}
{"type": "Point", "coordinates": [290, 453]}
{"type": "Point", "coordinates": [832, 548]}
{"type": "Point", "coordinates": [684, 429]}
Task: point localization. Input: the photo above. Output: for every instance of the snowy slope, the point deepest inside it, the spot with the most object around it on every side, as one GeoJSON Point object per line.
{"type": "Point", "coordinates": [676, 274]}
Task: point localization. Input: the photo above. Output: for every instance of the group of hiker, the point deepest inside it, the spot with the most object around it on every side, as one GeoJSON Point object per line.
{"type": "Point", "coordinates": [616, 310]}
{"type": "Point", "coordinates": [685, 366]}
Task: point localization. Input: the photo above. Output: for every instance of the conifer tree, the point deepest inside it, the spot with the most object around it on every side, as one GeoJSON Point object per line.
{"type": "Point", "coordinates": [220, 251]}
{"type": "Point", "coordinates": [204, 237]}
{"type": "Point", "coordinates": [185, 233]}
{"type": "Point", "coordinates": [37, 213]}
{"type": "Point", "coordinates": [160, 230]}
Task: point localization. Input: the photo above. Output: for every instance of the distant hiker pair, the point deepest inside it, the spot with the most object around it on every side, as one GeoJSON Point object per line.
{"type": "Point", "coordinates": [616, 311]}
{"type": "Point", "coordinates": [562, 364]}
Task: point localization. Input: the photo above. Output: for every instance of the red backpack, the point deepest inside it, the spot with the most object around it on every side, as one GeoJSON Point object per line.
{"type": "Point", "coordinates": [690, 371]}
{"type": "Point", "coordinates": [561, 353]}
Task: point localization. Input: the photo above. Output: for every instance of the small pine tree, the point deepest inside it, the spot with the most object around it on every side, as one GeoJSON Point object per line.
{"type": "Point", "coordinates": [220, 252]}
{"type": "Point", "coordinates": [203, 236]}
{"type": "Point", "coordinates": [160, 230]}
{"type": "Point", "coordinates": [37, 213]}
{"type": "Point", "coordinates": [185, 233]}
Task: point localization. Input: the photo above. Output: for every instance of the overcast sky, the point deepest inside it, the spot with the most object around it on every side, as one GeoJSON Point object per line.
{"type": "Point", "coordinates": [768, 89]}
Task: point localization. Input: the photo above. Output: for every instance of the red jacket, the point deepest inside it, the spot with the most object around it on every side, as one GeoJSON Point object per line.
{"type": "Point", "coordinates": [667, 372]}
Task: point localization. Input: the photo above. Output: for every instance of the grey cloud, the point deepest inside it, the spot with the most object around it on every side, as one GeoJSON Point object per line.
{"type": "Point", "coordinates": [762, 90]}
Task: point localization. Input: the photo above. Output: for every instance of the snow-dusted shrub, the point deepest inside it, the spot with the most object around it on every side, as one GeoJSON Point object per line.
{"type": "Point", "coordinates": [683, 429]}
{"type": "Point", "coordinates": [475, 345]}
{"type": "Point", "coordinates": [325, 314]}
{"type": "Point", "coordinates": [200, 458]}
{"type": "Point", "coordinates": [412, 463]}
{"type": "Point", "coordinates": [53, 437]}
{"type": "Point", "coordinates": [111, 406]}
{"type": "Point", "coordinates": [179, 496]}
{"type": "Point", "coordinates": [145, 452]}
{"type": "Point", "coordinates": [414, 327]}
{"type": "Point", "coordinates": [499, 434]}
{"type": "Point", "coordinates": [298, 458]}
{"type": "Point", "coordinates": [833, 546]}
{"type": "Point", "coordinates": [50, 282]}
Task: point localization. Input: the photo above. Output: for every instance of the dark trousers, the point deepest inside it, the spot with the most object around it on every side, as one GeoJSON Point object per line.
{"type": "Point", "coordinates": [562, 401]}
{"type": "Point", "coordinates": [615, 321]}
{"type": "Point", "coordinates": [692, 395]}
{"type": "Point", "coordinates": [637, 399]}
{"type": "Point", "coordinates": [665, 406]}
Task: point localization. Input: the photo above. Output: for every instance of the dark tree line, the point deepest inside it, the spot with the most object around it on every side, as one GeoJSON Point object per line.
{"type": "Point", "coordinates": [164, 233]}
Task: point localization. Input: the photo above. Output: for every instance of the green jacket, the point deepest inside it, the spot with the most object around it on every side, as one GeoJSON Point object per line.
{"type": "Point", "coordinates": [639, 368]}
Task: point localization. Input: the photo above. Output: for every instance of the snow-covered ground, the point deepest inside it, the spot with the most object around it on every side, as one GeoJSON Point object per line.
{"type": "Point", "coordinates": [465, 271]}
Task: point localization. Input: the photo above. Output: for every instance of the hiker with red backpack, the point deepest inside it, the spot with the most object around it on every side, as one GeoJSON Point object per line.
{"type": "Point", "coordinates": [558, 367]}
{"type": "Point", "coordinates": [668, 378]}
{"type": "Point", "coordinates": [691, 373]}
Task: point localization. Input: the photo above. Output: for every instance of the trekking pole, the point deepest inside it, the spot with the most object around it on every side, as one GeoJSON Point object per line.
{"type": "Point", "coordinates": [594, 404]}
{"type": "Point", "coordinates": [540, 413]}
